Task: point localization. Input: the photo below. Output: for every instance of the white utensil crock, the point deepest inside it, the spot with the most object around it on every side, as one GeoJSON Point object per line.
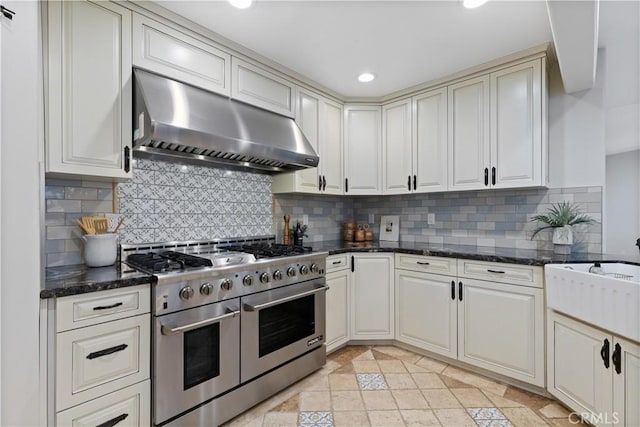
{"type": "Point", "coordinates": [100, 250]}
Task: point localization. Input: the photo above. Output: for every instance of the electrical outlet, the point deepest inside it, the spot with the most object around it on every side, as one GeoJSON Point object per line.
{"type": "Point", "coordinates": [371, 218]}
{"type": "Point", "coordinates": [305, 219]}
{"type": "Point", "coordinates": [431, 219]}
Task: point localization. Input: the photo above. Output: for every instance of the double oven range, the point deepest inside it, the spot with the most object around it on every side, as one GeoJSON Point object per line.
{"type": "Point", "coordinates": [232, 324]}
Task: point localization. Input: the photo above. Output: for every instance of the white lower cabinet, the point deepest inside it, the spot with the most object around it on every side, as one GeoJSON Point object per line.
{"type": "Point", "coordinates": [493, 325]}
{"type": "Point", "coordinates": [372, 296]}
{"type": "Point", "coordinates": [501, 328]}
{"type": "Point", "coordinates": [130, 407]}
{"type": "Point", "coordinates": [593, 372]}
{"type": "Point", "coordinates": [426, 312]}
{"type": "Point", "coordinates": [337, 322]}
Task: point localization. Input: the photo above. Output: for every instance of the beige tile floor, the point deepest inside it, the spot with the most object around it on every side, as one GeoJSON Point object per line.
{"type": "Point", "coordinates": [389, 386]}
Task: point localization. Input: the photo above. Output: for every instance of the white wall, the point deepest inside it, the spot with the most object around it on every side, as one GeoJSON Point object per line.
{"type": "Point", "coordinates": [622, 227]}
{"type": "Point", "coordinates": [22, 144]}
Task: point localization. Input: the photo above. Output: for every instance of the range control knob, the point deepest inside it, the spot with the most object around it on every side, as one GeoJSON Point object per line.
{"type": "Point", "coordinates": [206, 289]}
{"type": "Point", "coordinates": [247, 280]}
{"type": "Point", "coordinates": [186, 292]}
{"type": "Point", "coordinates": [226, 284]}
{"type": "Point", "coordinates": [314, 268]}
{"type": "Point", "coordinates": [304, 270]}
{"type": "Point", "coordinates": [291, 271]}
{"type": "Point", "coordinates": [264, 278]}
{"type": "Point", "coordinates": [277, 275]}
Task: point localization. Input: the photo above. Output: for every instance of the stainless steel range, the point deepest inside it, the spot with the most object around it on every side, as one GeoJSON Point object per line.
{"type": "Point", "coordinates": [233, 324]}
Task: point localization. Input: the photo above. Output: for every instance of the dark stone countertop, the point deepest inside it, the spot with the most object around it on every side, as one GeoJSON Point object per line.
{"type": "Point", "coordinates": [480, 253]}
{"type": "Point", "coordinates": [80, 279]}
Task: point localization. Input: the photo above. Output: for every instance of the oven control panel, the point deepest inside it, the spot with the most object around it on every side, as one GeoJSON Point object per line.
{"type": "Point", "coordinates": [209, 286]}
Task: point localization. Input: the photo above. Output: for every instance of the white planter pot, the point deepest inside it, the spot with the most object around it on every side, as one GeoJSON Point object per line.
{"type": "Point", "coordinates": [562, 239]}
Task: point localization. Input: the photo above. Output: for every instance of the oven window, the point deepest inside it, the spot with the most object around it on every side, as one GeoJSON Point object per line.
{"type": "Point", "coordinates": [286, 323]}
{"type": "Point", "coordinates": [201, 355]}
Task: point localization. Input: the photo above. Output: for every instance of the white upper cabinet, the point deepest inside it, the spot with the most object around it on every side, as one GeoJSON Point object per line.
{"type": "Point", "coordinates": [397, 147]}
{"type": "Point", "coordinates": [321, 122]}
{"type": "Point", "coordinates": [497, 129]}
{"type": "Point", "coordinates": [468, 134]}
{"type": "Point", "coordinates": [175, 54]}
{"type": "Point", "coordinates": [362, 149]}
{"type": "Point", "coordinates": [89, 89]}
{"type": "Point", "coordinates": [430, 141]}
{"type": "Point", "coordinates": [516, 126]}
{"type": "Point", "coordinates": [261, 88]}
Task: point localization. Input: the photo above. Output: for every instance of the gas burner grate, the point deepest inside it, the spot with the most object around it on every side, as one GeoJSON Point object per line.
{"type": "Point", "coordinates": [266, 250]}
{"type": "Point", "coordinates": [153, 262]}
{"type": "Point", "coordinates": [186, 259]}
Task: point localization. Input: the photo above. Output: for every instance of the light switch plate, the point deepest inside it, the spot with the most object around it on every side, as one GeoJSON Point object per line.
{"type": "Point", "coordinates": [371, 218]}
{"type": "Point", "coordinates": [431, 219]}
{"type": "Point", "coordinates": [305, 219]}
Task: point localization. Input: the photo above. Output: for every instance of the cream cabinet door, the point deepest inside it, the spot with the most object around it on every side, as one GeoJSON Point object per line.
{"type": "Point", "coordinates": [372, 296]}
{"type": "Point", "coordinates": [501, 328]}
{"type": "Point", "coordinates": [170, 52]}
{"type": "Point", "coordinates": [362, 149]}
{"type": "Point", "coordinates": [308, 109]}
{"type": "Point", "coordinates": [396, 148]}
{"type": "Point", "coordinates": [516, 126]}
{"type": "Point", "coordinates": [626, 383]}
{"type": "Point", "coordinates": [430, 141]}
{"type": "Point", "coordinates": [468, 134]}
{"type": "Point", "coordinates": [579, 370]}
{"type": "Point", "coordinates": [426, 311]}
{"type": "Point", "coordinates": [337, 322]}
{"type": "Point", "coordinates": [331, 148]}
{"type": "Point", "coordinates": [89, 89]}
{"type": "Point", "coordinates": [261, 88]}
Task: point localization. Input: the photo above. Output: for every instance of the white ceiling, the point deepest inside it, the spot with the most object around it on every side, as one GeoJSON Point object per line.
{"type": "Point", "coordinates": [404, 43]}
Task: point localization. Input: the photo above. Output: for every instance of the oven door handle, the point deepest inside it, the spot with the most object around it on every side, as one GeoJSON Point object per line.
{"type": "Point", "coordinates": [173, 330]}
{"type": "Point", "coordinates": [257, 307]}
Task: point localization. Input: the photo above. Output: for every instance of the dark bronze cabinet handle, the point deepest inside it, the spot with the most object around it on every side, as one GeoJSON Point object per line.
{"type": "Point", "coordinates": [353, 264]}
{"type": "Point", "coordinates": [604, 353]}
{"type": "Point", "coordinates": [127, 159]}
{"type": "Point", "coordinates": [495, 271]}
{"type": "Point", "coordinates": [346, 185]}
{"type": "Point", "coordinates": [453, 290]}
{"type": "Point", "coordinates": [460, 291]}
{"type": "Point", "coordinates": [415, 182]}
{"type": "Point", "coordinates": [422, 263]}
{"type": "Point", "coordinates": [336, 262]}
{"type": "Point", "coordinates": [106, 351]}
{"type": "Point", "coordinates": [616, 358]}
{"type": "Point", "coordinates": [7, 13]}
{"type": "Point", "coordinates": [486, 176]}
{"type": "Point", "coordinates": [409, 183]}
{"type": "Point", "coordinates": [493, 176]}
{"type": "Point", "coordinates": [319, 182]}
{"type": "Point", "coordinates": [107, 307]}
{"type": "Point", "coordinates": [112, 422]}
{"type": "Point", "coordinates": [324, 183]}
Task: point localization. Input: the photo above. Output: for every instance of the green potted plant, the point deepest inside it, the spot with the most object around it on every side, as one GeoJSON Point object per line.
{"type": "Point", "coordinates": [561, 217]}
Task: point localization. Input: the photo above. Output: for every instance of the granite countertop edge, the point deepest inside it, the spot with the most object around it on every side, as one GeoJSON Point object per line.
{"type": "Point", "coordinates": [79, 279]}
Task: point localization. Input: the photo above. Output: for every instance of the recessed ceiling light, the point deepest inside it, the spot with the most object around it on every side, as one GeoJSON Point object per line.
{"type": "Point", "coordinates": [472, 4]}
{"type": "Point", "coordinates": [241, 4]}
{"type": "Point", "coordinates": [366, 77]}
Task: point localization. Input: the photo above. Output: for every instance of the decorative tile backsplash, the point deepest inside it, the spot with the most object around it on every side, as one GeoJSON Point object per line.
{"type": "Point", "coordinates": [172, 202]}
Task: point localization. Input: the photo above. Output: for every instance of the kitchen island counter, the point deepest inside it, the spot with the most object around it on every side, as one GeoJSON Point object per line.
{"type": "Point", "coordinates": [80, 279]}
{"type": "Point", "coordinates": [480, 253]}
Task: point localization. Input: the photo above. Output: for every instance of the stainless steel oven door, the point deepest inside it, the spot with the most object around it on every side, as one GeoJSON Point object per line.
{"type": "Point", "coordinates": [196, 357]}
{"type": "Point", "coordinates": [281, 324]}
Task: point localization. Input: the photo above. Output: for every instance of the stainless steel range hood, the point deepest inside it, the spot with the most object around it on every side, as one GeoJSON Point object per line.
{"type": "Point", "coordinates": [180, 123]}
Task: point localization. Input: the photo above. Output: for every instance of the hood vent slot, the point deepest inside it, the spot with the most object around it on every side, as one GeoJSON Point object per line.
{"type": "Point", "coordinates": [180, 123]}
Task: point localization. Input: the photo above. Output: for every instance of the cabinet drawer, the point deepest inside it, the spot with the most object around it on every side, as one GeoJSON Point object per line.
{"type": "Point", "coordinates": [501, 272]}
{"type": "Point", "coordinates": [98, 307]}
{"type": "Point", "coordinates": [132, 406]}
{"type": "Point", "coordinates": [427, 264]}
{"type": "Point", "coordinates": [175, 54]}
{"type": "Point", "coordinates": [337, 262]}
{"type": "Point", "coordinates": [94, 361]}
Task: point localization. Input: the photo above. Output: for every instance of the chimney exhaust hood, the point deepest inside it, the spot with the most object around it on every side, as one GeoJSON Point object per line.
{"type": "Point", "coordinates": [181, 123]}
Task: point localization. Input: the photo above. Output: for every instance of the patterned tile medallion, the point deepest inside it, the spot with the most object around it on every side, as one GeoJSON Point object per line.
{"type": "Point", "coordinates": [315, 419]}
{"type": "Point", "coordinates": [372, 382]}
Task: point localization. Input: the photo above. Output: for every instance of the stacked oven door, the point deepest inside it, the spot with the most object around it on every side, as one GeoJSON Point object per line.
{"type": "Point", "coordinates": [196, 357]}
{"type": "Point", "coordinates": [281, 324]}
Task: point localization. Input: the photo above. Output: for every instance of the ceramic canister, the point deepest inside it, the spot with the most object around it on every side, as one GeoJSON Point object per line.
{"type": "Point", "coordinates": [100, 250]}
